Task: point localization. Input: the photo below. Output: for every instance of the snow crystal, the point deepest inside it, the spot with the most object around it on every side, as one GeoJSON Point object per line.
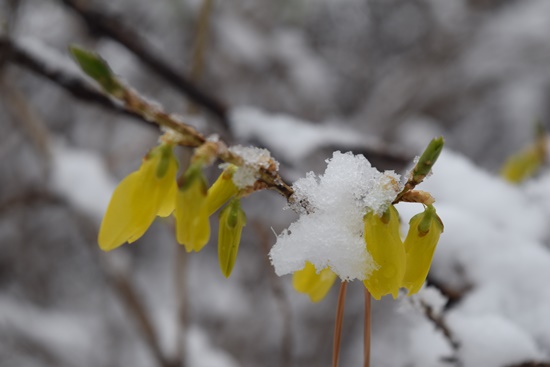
{"type": "Point", "coordinates": [330, 232]}
{"type": "Point", "coordinates": [254, 159]}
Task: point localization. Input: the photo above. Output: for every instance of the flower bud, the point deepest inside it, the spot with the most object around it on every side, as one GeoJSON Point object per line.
{"type": "Point", "coordinates": [222, 190]}
{"type": "Point", "coordinates": [427, 160]}
{"type": "Point", "coordinates": [386, 248]}
{"type": "Point", "coordinates": [424, 231]}
{"type": "Point", "coordinates": [192, 225]}
{"type": "Point", "coordinates": [315, 284]}
{"type": "Point", "coordinates": [232, 221]}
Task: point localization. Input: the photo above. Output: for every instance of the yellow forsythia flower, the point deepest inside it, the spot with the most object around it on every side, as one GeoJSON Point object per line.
{"type": "Point", "coordinates": [139, 198]}
{"type": "Point", "coordinates": [315, 285]}
{"type": "Point", "coordinates": [192, 225]}
{"type": "Point", "coordinates": [232, 221]}
{"type": "Point", "coordinates": [424, 231]}
{"type": "Point", "coordinates": [386, 248]}
{"type": "Point", "coordinates": [222, 190]}
{"type": "Point", "coordinates": [522, 165]}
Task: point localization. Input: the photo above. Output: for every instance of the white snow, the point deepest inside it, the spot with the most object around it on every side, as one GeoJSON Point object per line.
{"type": "Point", "coordinates": [81, 177]}
{"type": "Point", "coordinates": [491, 341]}
{"type": "Point", "coordinates": [254, 160]}
{"type": "Point", "coordinates": [291, 138]}
{"type": "Point", "coordinates": [494, 242]}
{"type": "Point", "coordinates": [201, 353]}
{"type": "Point", "coordinates": [329, 231]}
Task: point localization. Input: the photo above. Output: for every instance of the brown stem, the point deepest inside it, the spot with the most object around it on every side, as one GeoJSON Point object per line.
{"type": "Point", "coordinates": [110, 26]}
{"type": "Point", "coordinates": [199, 46]}
{"type": "Point", "coordinates": [338, 323]}
{"type": "Point", "coordinates": [136, 307]}
{"type": "Point", "coordinates": [76, 86]}
{"type": "Point", "coordinates": [366, 350]}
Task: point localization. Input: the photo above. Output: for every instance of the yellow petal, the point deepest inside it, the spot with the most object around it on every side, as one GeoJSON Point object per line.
{"type": "Point", "coordinates": [129, 213]}
{"type": "Point", "coordinates": [522, 165]}
{"type": "Point", "coordinates": [232, 221]}
{"type": "Point", "coordinates": [424, 232]}
{"type": "Point", "coordinates": [386, 248]}
{"type": "Point", "coordinates": [192, 224]}
{"type": "Point", "coordinates": [137, 200]}
{"type": "Point", "coordinates": [222, 190]}
{"type": "Point", "coordinates": [315, 285]}
{"type": "Point", "coordinates": [169, 187]}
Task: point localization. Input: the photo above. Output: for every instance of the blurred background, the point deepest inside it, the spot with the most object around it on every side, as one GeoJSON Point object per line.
{"type": "Point", "coordinates": [395, 72]}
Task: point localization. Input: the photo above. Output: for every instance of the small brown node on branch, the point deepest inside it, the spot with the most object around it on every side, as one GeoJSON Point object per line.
{"type": "Point", "coordinates": [418, 196]}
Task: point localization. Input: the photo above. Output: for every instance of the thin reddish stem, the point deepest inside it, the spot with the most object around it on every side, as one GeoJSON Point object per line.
{"type": "Point", "coordinates": [338, 323]}
{"type": "Point", "coordinates": [366, 350]}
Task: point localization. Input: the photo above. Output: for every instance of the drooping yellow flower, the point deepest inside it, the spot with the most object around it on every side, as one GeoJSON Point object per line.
{"type": "Point", "coordinates": [387, 250]}
{"type": "Point", "coordinates": [523, 165]}
{"type": "Point", "coordinates": [424, 231]}
{"type": "Point", "coordinates": [315, 284]}
{"type": "Point", "coordinates": [192, 224]}
{"type": "Point", "coordinates": [222, 190]}
{"type": "Point", "coordinates": [139, 198]}
{"type": "Point", "coordinates": [232, 221]}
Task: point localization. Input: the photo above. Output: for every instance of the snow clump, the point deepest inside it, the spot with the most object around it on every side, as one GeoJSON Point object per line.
{"type": "Point", "coordinates": [254, 160]}
{"type": "Point", "coordinates": [329, 232]}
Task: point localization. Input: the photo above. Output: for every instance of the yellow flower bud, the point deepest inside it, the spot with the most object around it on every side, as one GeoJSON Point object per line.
{"type": "Point", "coordinates": [139, 198]}
{"type": "Point", "coordinates": [315, 285]}
{"type": "Point", "coordinates": [222, 190]}
{"type": "Point", "coordinates": [424, 231]}
{"type": "Point", "coordinates": [232, 221]}
{"type": "Point", "coordinates": [387, 250]}
{"type": "Point", "coordinates": [192, 224]}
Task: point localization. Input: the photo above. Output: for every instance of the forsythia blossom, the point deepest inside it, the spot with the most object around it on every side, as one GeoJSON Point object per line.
{"type": "Point", "coordinates": [315, 284]}
{"type": "Point", "coordinates": [139, 198]}
{"type": "Point", "coordinates": [386, 248]}
{"type": "Point", "coordinates": [192, 224]}
{"type": "Point", "coordinates": [349, 228]}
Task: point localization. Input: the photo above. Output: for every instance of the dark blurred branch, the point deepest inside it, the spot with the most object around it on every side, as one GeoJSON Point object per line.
{"type": "Point", "coordinates": [110, 26]}
{"type": "Point", "coordinates": [16, 104]}
{"type": "Point", "coordinates": [441, 325]}
{"type": "Point", "coordinates": [135, 305]}
{"type": "Point", "coordinates": [76, 86]}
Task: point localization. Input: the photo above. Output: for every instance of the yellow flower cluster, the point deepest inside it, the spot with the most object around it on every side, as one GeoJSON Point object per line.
{"type": "Point", "coordinates": [400, 264]}
{"type": "Point", "coordinates": [153, 190]}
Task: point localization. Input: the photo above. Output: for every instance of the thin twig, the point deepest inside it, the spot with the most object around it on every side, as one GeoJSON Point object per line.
{"type": "Point", "coordinates": [199, 46]}
{"type": "Point", "coordinates": [441, 325]}
{"type": "Point", "coordinates": [136, 307]}
{"type": "Point", "coordinates": [75, 85]}
{"type": "Point", "coordinates": [367, 342]}
{"type": "Point", "coordinates": [16, 103]}
{"type": "Point", "coordinates": [338, 323]}
{"type": "Point", "coordinates": [110, 26]}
